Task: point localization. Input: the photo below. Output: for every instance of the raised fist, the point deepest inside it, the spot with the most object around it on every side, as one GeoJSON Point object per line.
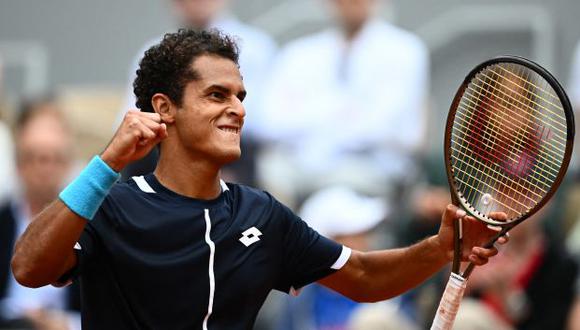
{"type": "Point", "coordinates": [138, 134]}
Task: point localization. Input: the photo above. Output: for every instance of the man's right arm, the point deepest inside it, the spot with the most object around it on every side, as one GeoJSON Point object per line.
{"type": "Point", "coordinates": [45, 252]}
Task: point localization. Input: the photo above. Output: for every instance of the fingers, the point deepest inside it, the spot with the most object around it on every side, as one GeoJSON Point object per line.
{"type": "Point", "coordinates": [480, 256]}
{"type": "Point", "coordinates": [150, 115]}
{"type": "Point", "coordinates": [138, 133]}
{"type": "Point", "coordinates": [451, 214]}
{"type": "Point", "coordinates": [498, 215]}
{"type": "Point", "coordinates": [140, 130]}
{"type": "Point", "coordinates": [146, 126]}
{"type": "Point", "coordinates": [504, 239]}
{"type": "Point", "coordinates": [155, 126]}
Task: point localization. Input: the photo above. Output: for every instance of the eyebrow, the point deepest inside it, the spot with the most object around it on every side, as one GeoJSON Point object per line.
{"type": "Point", "coordinates": [241, 95]}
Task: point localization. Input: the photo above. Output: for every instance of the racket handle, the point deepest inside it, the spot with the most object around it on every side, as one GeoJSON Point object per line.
{"type": "Point", "coordinates": [449, 304]}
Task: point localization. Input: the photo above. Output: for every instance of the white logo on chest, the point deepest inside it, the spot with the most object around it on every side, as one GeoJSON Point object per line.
{"type": "Point", "coordinates": [250, 236]}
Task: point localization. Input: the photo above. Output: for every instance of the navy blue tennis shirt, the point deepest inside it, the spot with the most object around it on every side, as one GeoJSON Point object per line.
{"type": "Point", "coordinates": [154, 259]}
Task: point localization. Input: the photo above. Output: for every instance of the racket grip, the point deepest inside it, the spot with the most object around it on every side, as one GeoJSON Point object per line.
{"type": "Point", "coordinates": [449, 304]}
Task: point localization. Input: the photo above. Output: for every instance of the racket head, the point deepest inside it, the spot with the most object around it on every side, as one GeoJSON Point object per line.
{"type": "Point", "coordinates": [508, 139]}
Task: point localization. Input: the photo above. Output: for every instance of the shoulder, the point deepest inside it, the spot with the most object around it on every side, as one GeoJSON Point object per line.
{"type": "Point", "coordinates": [312, 42]}
{"type": "Point", "coordinates": [127, 194]}
{"type": "Point", "coordinates": [398, 35]}
{"type": "Point", "coordinates": [124, 189]}
{"type": "Point", "coordinates": [249, 194]}
{"type": "Point", "coordinates": [389, 44]}
{"type": "Point", "coordinates": [256, 201]}
{"type": "Point", "coordinates": [306, 52]}
{"type": "Point", "coordinates": [249, 36]}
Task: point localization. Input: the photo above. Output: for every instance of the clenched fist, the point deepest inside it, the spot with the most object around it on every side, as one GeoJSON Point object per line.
{"type": "Point", "coordinates": [138, 134]}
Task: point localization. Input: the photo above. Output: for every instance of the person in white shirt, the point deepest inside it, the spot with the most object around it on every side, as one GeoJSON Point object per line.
{"type": "Point", "coordinates": [574, 94]}
{"type": "Point", "coordinates": [345, 106]}
{"type": "Point", "coordinates": [6, 162]}
{"type": "Point", "coordinates": [6, 150]}
{"type": "Point", "coordinates": [257, 52]}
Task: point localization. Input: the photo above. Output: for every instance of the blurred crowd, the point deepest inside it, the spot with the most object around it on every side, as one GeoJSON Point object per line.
{"type": "Point", "coordinates": [336, 127]}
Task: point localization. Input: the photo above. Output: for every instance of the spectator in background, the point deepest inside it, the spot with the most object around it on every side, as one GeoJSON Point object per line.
{"type": "Point", "coordinates": [44, 158]}
{"type": "Point", "coordinates": [574, 93]}
{"type": "Point", "coordinates": [474, 315]}
{"type": "Point", "coordinates": [572, 223]}
{"type": "Point", "coordinates": [345, 106]}
{"type": "Point", "coordinates": [6, 150]}
{"type": "Point", "coordinates": [531, 284]}
{"type": "Point", "coordinates": [6, 162]}
{"type": "Point", "coordinates": [257, 51]}
{"type": "Point", "coordinates": [349, 218]}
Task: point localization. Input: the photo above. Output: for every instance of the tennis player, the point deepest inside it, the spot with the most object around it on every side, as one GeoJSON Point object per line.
{"type": "Point", "coordinates": [181, 249]}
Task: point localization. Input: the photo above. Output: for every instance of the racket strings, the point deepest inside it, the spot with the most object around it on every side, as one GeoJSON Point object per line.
{"type": "Point", "coordinates": [505, 197]}
{"type": "Point", "coordinates": [497, 174]}
{"type": "Point", "coordinates": [490, 142]}
{"type": "Point", "coordinates": [519, 178]}
{"type": "Point", "coordinates": [530, 133]}
{"type": "Point", "coordinates": [494, 91]}
{"type": "Point", "coordinates": [522, 120]}
{"type": "Point", "coordinates": [543, 156]}
{"type": "Point", "coordinates": [547, 92]}
{"type": "Point", "coordinates": [537, 192]}
{"type": "Point", "coordinates": [494, 98]}
{"type": "Point", "coordinates": [553, 160]}
{"type": "Point", "coordinates": [534, 113]}
{"type": "Point", "coordinates": [521, 183]}
{"type": "Point", "coordinates": [518, 196]}
{"type": "Point", "coordinates": [534, 96]}
{"type": "Point", "coordinates": [515, 201]}
{"type": "Point", "coordinates": [500, 202]}
{"type": "Point", "coordinates": [516, 117]}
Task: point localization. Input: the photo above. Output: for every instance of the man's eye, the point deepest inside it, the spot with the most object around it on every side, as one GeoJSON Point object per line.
{"type": "Point", "coordinates": [217, 95]}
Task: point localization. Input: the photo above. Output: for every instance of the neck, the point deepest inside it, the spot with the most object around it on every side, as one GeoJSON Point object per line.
{"type": "Point", "coordinates": [195, 178]}
{"type": "Point", "coordinates": [352, 30]}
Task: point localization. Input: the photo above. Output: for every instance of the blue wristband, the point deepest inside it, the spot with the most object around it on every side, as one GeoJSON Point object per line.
{"type": "Point", "coordinates": [87, 192]}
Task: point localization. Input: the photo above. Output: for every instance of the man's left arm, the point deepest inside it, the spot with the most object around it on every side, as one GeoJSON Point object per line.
{"type": "Point", "coordinates": [379, 275]}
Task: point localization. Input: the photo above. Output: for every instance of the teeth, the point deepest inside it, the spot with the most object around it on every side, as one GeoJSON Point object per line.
{"type": "Point", "coordinates": [230, 130]}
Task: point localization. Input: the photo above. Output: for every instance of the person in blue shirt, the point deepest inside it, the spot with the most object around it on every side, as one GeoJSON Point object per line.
{"type": "Point", "coordinates": [181, 249]}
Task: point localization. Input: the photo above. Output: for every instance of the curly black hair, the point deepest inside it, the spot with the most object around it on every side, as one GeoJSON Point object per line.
{"type": "Point", "coordinates": [166, 67]}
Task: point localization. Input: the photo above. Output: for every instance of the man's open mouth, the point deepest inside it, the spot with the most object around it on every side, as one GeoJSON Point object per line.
{"type": "Point", "coordinates": [230, 129]}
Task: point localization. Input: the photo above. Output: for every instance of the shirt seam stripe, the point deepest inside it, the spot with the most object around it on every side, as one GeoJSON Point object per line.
{"type": "Point", "coordinates": [211, 245]}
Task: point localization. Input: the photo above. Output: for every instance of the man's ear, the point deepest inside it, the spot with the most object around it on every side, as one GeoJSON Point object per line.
{"type": "Point", "coordinates": [164, 107]}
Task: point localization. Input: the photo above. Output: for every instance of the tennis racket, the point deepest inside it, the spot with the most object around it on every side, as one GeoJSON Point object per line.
{"type": "Point", "coordinates": [508, 142]}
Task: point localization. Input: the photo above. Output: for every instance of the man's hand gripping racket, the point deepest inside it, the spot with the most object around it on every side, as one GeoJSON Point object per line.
{"type": "Point", "coordinates": [508, 143]}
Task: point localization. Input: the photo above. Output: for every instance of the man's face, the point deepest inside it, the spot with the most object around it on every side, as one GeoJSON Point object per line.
{"type": "Point", "coordinates": [197, 13]}
{"type": "Point", "coordinates": [211, 116]}
{"type": "Point", "coordinates": [44, 156]}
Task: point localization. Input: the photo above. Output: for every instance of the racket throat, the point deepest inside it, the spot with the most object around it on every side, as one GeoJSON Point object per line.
{"type": "Point", "coordinates": [458, 245]}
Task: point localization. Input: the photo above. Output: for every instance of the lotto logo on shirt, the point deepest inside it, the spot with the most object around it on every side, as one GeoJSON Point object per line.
{"type": "Point", "coordinates": [250, 236]}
